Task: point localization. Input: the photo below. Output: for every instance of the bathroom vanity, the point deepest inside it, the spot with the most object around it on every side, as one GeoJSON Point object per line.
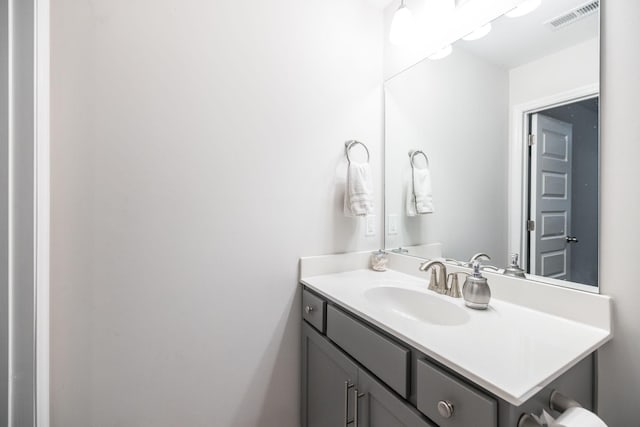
{"type": "Point", "coordinates": [379, 349]}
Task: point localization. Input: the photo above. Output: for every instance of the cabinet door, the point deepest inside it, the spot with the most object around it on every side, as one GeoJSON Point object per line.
{"type": "Point", "coordinates": [325, 370]}
{"type": "Point", "coordinates": [378, 406]}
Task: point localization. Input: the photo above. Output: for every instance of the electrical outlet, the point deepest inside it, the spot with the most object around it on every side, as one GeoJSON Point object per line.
{"type": "Point", "coordinates": [370, 225]}
{"type": "Point", "coordinates": [393, 224]}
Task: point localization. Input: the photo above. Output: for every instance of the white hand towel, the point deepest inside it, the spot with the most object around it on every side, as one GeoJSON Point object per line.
{"type": "Point", "coordinates": [419, 193]}
{"type": "Point", "coordinates": [358, 195]}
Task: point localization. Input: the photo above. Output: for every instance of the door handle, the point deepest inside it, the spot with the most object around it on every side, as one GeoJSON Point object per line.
{"type": "Point", "coordinates": [347, 386]}
{"type": "Point", "coordinates": [356, 395]}
{"type": "Point", "coordinates": [571, 239]}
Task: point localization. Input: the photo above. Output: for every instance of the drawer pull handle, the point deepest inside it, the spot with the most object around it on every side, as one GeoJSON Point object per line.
{"type": "Point", "coordinates": [356, 395]}
{"type": "Point", "coordinates": [445, 409]}
{"type": "Point", "coordinates": [308, 309]}
{"type": "Point", "coordinates": [347, 387]}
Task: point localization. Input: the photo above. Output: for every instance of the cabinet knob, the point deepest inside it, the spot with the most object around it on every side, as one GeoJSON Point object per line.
{"type": "Point", "coordinates": [308, 309]}
{"type": "Point", "coordinates": [445, 408]}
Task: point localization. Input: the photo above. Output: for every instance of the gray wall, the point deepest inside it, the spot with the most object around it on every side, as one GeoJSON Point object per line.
{"type": "Point", "coordinates": [584, 187]}
{"type": "Point", "coordinates": [619, 370]}
{"type": "Point", "coordinates": [197, 152]}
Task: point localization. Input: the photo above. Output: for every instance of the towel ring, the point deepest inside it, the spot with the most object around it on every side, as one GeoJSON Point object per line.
{"type": "Point", "coordinates": [351, 143]}
{"type": "Point", "coordinates": [412, 155]}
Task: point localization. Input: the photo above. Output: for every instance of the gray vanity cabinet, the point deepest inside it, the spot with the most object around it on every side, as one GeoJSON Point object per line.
{"type": "Point", "coordinates": [330, 382]}
{"type": "Point", "coordinates": [326, 374]}
{"type": "Point", "coordinates": [379, 407]}
{"type": "Point", "coordinates": [344, 356]}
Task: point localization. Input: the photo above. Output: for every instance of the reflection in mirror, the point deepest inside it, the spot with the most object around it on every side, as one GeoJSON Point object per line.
{"type": "Point", "coordinates": [505, 141]}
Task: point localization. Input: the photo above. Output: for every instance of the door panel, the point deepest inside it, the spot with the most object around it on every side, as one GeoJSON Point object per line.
{"type": "Point", "coordinates": [380, 407]}
{"type": "Point", "coordinates": [554, 185]}
{"type": "Point", "coordinates": [324, 373]}
{"type": "Point", "coordinates": [554, 263]}
{"type": "Point", "coordinates": [550, 198]}
{"type": "Point", "coordinates": [553, 224]}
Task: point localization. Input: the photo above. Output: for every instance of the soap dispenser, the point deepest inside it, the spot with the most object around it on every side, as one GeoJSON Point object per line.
{"type": "Point", "coordinates": [476, 290]}
{"type": "Point", "coordinates": [514, 269]}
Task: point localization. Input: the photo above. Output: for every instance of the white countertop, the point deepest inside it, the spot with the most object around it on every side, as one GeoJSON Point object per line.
{"type": "Point", "coordinates": [510, 350]}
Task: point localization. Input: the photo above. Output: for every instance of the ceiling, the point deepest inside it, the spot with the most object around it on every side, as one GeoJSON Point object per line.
{"type": "Point", "coordinates": [516, 41]}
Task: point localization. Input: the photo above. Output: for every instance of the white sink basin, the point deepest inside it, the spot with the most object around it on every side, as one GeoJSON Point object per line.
{"type": "Point", "coordinates": [417, 305]}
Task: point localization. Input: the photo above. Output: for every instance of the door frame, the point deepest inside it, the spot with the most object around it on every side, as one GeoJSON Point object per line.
{"type": "Point", "coordinates": [43, 210]}
{"type": "Point", "coordinates": [25, 212]}
{"type": "Point", "coordinates": [518, 177]}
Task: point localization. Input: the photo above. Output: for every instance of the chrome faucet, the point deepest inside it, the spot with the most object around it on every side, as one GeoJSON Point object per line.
{"type": "Point", "coordinates": [477, 257]}
{"type": "Point", "coordinates": [436, 284]}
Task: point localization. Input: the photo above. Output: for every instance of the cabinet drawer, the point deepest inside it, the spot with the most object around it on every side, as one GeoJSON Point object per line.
{"type": "Point", "coordinates": [469, 407]}
{"type": "Point", "coordinates": [313, 309]}
{"type": "Point", "coordinates": [387, 360]}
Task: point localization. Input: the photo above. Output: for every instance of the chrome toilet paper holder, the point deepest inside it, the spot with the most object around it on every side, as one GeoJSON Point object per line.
{"type": "Point", "coordinates": [557, 402]}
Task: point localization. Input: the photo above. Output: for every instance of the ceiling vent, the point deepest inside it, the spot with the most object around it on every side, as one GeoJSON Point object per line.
{"type": "Point", "coordinates": [573, 15]}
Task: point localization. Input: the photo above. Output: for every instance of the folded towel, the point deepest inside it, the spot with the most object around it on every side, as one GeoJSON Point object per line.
{"type": "Point", "coordinates": [358, 195]}
{"type": "Point", "coordinates": [419, 193]}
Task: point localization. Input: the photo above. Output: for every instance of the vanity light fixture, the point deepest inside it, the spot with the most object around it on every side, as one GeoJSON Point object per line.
{"type": "Point", "coordinates": [442, 53]}
{"type": "Point", "coordinates": [478, 33]}
{"type": "Point", "coordinates": [402, 26]}
{"type": "Point", "coordinates": [525, 7]}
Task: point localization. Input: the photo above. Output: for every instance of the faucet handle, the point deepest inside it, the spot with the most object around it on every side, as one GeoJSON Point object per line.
{"type": "Point", "coordinates": [454, 287]}
{"type": "Point", "coordinates": [442, 283]}
{"type": "Point", "coordinates": [433, 282]}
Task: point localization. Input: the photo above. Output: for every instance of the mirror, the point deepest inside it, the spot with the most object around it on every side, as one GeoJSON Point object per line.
{"type": "Point", "coordinates": [504, 133]}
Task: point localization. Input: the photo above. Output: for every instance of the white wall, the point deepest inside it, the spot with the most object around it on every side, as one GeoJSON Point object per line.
{"type": "Point", "coordinates": [559, 72]}
{"type": "Point", "coordinates": [195, 151]}
{"type": "Point", "coordinates": [142, 306]}
{"type": "Point", "coordinates": [619, 371]}
{"type": "Point", "coordinates": [438, 107]}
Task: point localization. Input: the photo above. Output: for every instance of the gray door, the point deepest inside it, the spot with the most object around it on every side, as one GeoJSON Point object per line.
{"type": "Point", "coordinates": [550, 197]}
{"type": "Point", "coordinates": [379, 407]}
{"type": "Point", "coordinates": [325, 372]}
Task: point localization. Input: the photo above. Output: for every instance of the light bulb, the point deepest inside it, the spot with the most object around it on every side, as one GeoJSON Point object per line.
{"type": "Point", "coordinates": [478, 33]}
{"type": "Point", "coordinates": [524, 8]}
{"type": "Point", "coordinates": [442, 53]}
{"type": "Point", "coordinates": [402, 26]}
